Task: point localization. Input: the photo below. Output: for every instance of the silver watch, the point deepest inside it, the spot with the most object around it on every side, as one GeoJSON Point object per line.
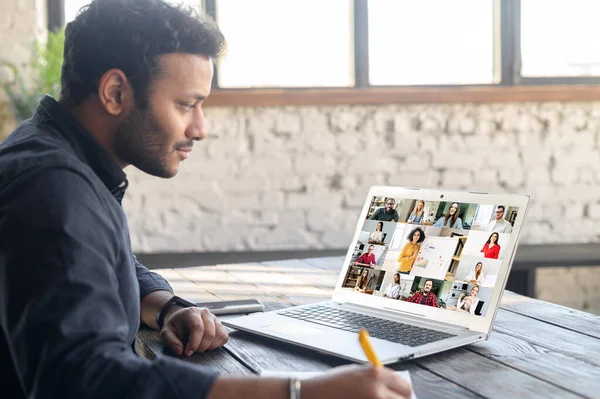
{"type": "Point", "coordinates": [295, 386]}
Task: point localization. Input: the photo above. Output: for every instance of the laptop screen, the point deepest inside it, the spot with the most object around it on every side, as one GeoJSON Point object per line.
{"type": "Point", "coordinates": [431, 253]}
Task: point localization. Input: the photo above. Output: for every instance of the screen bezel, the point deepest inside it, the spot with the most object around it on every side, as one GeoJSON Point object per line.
{"type": "Point", "coordinates": [476, 323]}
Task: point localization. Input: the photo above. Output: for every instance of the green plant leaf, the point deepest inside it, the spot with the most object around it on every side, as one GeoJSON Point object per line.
{"type": "Point", "coordinates": [46, 64]}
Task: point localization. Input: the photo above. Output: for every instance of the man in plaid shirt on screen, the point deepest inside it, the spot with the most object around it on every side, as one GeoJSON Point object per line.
{"type": "Point", "coordinates": [425, 297]}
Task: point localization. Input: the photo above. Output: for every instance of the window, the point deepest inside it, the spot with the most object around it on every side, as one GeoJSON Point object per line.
{"type": "Point", "coordinates": [431, 42]}
{"type": "Point", "coordinates": [292, 43]}
{"type": "Point", "coordinates": [383, 43]}
{"type": "Point", "coordinates": [73, 6]}
{"type": "Point", "coordinates": [560, 38]}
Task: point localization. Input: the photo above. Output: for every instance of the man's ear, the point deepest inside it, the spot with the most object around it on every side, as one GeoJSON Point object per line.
{"type": "Point", "coordinates": [115, 92]}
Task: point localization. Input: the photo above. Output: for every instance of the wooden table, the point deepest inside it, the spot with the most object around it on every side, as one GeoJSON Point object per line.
{"type": "Point", "coordinates": [537, 349]}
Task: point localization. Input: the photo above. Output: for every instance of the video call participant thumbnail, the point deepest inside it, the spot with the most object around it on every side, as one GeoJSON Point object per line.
{"type": "Point", "coordinates": [393, 290]}
{"type": "Point", "coordinates": [368, 258]}
{"type": "Point", "coordinates": [425, 296]}
{"type": "Point", "coordinates": [377, 235]}
{"type": "Point", "coordinates": [409, 252]}
{"type": "Point", "coordinates": [468, 303]}
{"type": "Point", "coordinates": [491, 249]}
{"type": "Point", "coordinates": [450, 219]}
{"type": "Point", "coordinates": [499, 224]}
{"type": "Point", "coordinates": [476, 275]}
{"type": "Point", "coordinates": [387, 213]}
{"type": "Point", "coordinates": [363, 282]}
{"type": "Point", "coordinates": [417, 216]}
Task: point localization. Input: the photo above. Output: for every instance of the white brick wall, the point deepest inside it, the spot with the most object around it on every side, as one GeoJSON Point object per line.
{"type": "Point", "coordinates": [295, 177]}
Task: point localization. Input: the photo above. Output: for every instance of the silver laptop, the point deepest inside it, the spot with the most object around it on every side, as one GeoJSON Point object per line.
{"type": "Point", "coordinates": [424, 273]}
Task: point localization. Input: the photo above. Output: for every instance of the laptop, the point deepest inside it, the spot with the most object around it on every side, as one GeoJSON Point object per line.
{"type": "Point", "coordinates": [410, 292]}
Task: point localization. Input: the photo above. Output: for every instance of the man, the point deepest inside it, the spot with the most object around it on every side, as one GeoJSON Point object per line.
{"type": "Point", "coordinates": [393, 290]}
{"type": "Point", "coordinates": [387, 214]}
{"type": "Point", "coordinates": [368, 258]}
{"type": "Point", "coordinates": [72, 294]}
{"type": "Point", "coordinates": [499, 224]}
{"type": "Point", "coordinates": [425, 297]}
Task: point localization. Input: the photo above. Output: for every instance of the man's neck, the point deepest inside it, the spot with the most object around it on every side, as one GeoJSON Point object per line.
{"type": "Point", "coordinates": [95, 125]}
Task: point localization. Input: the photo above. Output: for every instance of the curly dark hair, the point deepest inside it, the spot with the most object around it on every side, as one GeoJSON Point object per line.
{"type": "Point", "coordinates": [411, 235]}
{"type": "Point", "coordinates": [130, 35]}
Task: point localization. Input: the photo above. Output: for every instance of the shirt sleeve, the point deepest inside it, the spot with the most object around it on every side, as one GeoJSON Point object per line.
{"type": "Point", "coordinates": [375, 214]}
{"type": "Point", "coordinates": [61, 306]}
{"type": "Point", "coordinates": [149, 281]}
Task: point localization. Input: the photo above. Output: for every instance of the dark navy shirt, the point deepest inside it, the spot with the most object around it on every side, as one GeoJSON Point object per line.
{"type": "Point", "coordinates": [70, 287]}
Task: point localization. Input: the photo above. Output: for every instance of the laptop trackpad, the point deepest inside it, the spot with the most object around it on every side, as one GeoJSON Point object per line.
{"type": "Point", "coordinates": [295, 329]}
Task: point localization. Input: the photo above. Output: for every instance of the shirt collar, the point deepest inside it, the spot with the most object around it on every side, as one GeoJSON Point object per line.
{"type": "Point", "coordinates": [86, 147]}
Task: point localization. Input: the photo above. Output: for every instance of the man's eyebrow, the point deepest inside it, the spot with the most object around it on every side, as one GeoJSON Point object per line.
{"type": "Point", "coordinates": [196, 96]}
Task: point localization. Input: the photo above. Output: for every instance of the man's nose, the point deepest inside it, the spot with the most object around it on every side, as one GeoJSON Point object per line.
{"type": "Point", "coordinates": [197, 128]}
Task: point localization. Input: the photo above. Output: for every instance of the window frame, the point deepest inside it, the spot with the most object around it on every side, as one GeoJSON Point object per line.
{"type": "Point", "coordinates": [511, 86]}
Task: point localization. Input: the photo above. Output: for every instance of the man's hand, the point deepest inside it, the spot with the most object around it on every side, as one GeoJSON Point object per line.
{"type": "Point", "coordinates": [193, 330]}
{"type": "Point", "coordinates": [357, 382]}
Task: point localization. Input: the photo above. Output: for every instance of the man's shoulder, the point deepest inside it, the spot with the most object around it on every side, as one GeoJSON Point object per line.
{"type": "Point", "coordinates": [32, 149]}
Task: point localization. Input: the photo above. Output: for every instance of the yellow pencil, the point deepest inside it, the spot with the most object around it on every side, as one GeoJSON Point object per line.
{"type": "Point", "coordinates": [363, 338]}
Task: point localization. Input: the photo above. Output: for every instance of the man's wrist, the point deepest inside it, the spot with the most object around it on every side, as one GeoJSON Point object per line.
{"type": "Point", "coordinates": [170, 307]}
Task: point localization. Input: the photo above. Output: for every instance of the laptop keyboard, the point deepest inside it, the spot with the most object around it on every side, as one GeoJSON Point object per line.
{"type": "Point", "coordinates": [377, 327]}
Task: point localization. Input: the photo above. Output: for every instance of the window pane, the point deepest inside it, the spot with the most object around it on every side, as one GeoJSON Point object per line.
{"type": "Point", "coordinates": [73, 6]}
{"type": "Point", "coordinates": [420, 42]}
{"type": "Point", "coordinates": [560, 38]}
{"type": "Point", "coordinates": [292, 43]}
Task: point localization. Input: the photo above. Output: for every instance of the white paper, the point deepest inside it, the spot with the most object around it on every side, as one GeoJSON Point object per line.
{"type": "Point", "coordinates": [303, 375]}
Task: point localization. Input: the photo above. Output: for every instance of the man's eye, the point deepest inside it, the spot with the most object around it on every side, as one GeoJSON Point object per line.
{"type": "Point", "coordinates": [188, 105]}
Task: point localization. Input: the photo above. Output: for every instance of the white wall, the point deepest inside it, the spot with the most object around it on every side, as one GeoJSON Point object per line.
{"type": "Point", "coordinates": [288, 177]}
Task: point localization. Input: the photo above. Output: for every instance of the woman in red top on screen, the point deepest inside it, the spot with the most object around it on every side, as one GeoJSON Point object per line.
{"type": "Point", "coordinates": [491, 249]}
{"type": "Point", "coordinates": [368, 258]}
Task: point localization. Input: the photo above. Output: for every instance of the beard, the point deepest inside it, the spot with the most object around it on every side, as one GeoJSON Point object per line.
{"type": "Point", "coordinates": [143, 142]}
